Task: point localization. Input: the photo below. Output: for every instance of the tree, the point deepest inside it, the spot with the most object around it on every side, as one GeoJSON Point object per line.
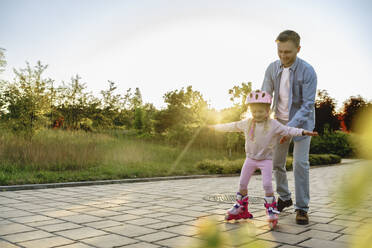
{"type": "Point", "coordinates": [110, 105]}
{"type": "Point", "coordinates": [185, 107]}
{"type": "Point", "coordinates": [239, 93]}
{"type": "Point", "coordinates": [185, 113]}
{"type": "Point", "coordinates": [138, 119]}
{"type": "Point", "coordinates": [352, 107]}
{"type": "Point", "coordinates": [2, 60]}
{"type": "Point", "coordinates": [238, 97]}
{"type": "Point", "coordinates": [74, 102]}
{"type": "Point", "coordinates": [325, 113]}
{"type": "Point", "coordinates": [27, 100]}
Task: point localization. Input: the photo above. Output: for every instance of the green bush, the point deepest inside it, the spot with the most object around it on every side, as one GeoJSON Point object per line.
{"type": "Point", "coordinates": [338, 143]}
{"type": "Point", "coordinates": [317, 159]}
{"type": "Point", "coordinates": [234, 166]}
{"type": "Point", "coordinates": [220, 166]}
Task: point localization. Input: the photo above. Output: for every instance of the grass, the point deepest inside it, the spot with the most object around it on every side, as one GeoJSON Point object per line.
{"type": "Point", "coordinates": [63, 156]}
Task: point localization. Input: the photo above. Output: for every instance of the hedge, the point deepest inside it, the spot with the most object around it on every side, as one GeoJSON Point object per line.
{"type": "Point", "coordinates": [234, 166]}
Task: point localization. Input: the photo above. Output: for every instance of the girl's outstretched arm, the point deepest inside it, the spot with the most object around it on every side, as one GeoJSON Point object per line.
{"type": "Point", "coordinates": [238, 126]}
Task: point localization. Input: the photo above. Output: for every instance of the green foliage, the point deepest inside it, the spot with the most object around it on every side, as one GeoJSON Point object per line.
{"type": "Point", "coordinates": [240, 93]}
{"type": "Point", "coordinates": [234, 166]}
{"type": "Point", "coordinates": [316, 159]}
{"type": "Point", "coordinates": [2, 60]}
{"type": "Point", "coordinates": [352, 107]}
{"type": "Point", "coordinates": [138, 119]}
{"type": "Point", "coordinates": [74, 102]}
{"type": "Point", "coordinates": [27, 100]}
{"type": "Point", "coordinates": [325, 113]}
{"type": "Point", "coordinates": [221, 166]}
{"type": "Point", "coordinates": [338, 143]}
{"type": "Point", "coordinates": [61, 156]}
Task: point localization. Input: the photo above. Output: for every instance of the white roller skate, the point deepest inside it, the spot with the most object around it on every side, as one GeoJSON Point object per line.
{"type": "Point", "coordinates": [271, 211]}
{"type": "Point", "coordinates": [240, 209]}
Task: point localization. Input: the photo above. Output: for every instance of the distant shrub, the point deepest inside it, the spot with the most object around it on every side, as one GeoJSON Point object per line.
{"type": "Point", "coordinates": [338, 143]}
{"type": "Point", "coordinates": [234, 166]}
{"type": "Point", "coordinates": [221, 166]}
{"type": "Point", "coordinates": [317, 159]}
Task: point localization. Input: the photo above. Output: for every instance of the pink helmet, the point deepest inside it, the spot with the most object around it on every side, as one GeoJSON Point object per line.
{"type": "Point", "coordinates": [258, 97]}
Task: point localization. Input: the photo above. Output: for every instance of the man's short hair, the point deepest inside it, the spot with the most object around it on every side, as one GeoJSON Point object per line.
{"type": "Point", "coordinates": [289, 35]}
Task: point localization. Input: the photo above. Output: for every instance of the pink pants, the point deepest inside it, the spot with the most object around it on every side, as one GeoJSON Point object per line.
{"type": "Point", "coordinates": [250, 165]}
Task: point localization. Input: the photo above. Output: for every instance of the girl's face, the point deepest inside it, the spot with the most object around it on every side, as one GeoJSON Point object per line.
{"type": "Point", "coordinates": [260, 111]}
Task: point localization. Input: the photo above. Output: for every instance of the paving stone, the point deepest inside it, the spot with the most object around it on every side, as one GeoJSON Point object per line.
{"type": "Point", "coordinates": [162, 225]}
{"type": "Point", "coordinates": [155, 214]}
{"type": "Point", "coordinates": [45, 223]}
{"type": "Point", "coordinates": [289, 246]}
{"type": "Point", "coordinates": [26, 236]}
{"type": "Point", "coordinates": [46, 243]}
{"type": "Point", "coordinates": [124, 217]}
{"type": "Point", "coordinates": [180, 241]}
{"type": "Point", "coordinates": [111, 240]}
{"type": "Point", "coordinates": [81, 218]}
{"type": "Point", "coordinates": [81, 233]}
{"type": "Point", "coordinates": [130, 230]}
{"type": "Point", "coordinates": [32, 218]}
{"type": "Point", "coordinates": [322, 220]}
{"type": "Point", "coordinates": [5, 244]}
{"type": "Point", "coordinates": [323, 214]}
{"type": "Point", "coordinates": [60, 227]}
{"type": "Point", "coordinates": [282, 237]}
{"type": "Point", "coordinates": [142, 245]}
{"type": "Point", "coordinates": [14, 213]}
{"type": "Point", "coordinates": [76, 245]}
{"type": "Point", "coordinates": [262, 243]}
{"type": "Point", "coordinates": [59, 213]}
{"type": "Point", "coordinates": [104, 213]}
{"type": "Point", "coordinates": [143, 221]}
{"type": "Point", "coordinates": [316, 243]}
{"type": "Point", "coordinates": [14, 228]}
{"type": "Point", "coordinates": [320, 234]}
{"type": "Point", "coordinates": [103, 224]}
{"type": "Point", "coordinates": [183, 230]}
{"type": "Point", "coordinates": [350, 217]}
{"type": "Point", "coordinates": [345, 223]}
{"type": "Point", "coordinates": [176, 218]}
{"type": "Point", "coordinates": [138, 211]}
{"type": "Point", "coordinates": [327, 227]}
{"type": "Point", "coordinates": [346, 238]}
{"type": "Point", "coordinates": [156, 236]}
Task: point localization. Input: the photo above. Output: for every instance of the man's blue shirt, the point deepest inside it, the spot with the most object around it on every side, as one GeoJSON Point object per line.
{"type": "Point", "coordinates": [303, 83]}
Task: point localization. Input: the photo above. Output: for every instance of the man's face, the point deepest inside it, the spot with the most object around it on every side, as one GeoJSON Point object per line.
{"type": "Point", "coordinates": [287, 52]}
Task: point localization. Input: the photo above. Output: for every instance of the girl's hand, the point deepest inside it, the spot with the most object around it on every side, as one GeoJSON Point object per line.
{"type": "Point", "coordinates": [309, 133]}
{"type": "Point", "coordinates": [283, 139]}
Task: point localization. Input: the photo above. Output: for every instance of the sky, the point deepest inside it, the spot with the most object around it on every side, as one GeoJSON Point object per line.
{"type": "Point", "coordinates": [164, 45]}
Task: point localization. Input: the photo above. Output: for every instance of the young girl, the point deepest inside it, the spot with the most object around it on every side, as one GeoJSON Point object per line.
{"type": "Point", "coordinates": [261, 134]}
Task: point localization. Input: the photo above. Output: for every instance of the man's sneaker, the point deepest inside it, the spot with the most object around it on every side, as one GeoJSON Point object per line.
{"type": "Point", "coordinates": [284, 204]}
{"type": "Point", "coordinates": [301, 217]}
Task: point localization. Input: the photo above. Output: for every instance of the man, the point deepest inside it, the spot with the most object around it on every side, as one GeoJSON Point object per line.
{"type": "Point", "coordinates": [293, 83]}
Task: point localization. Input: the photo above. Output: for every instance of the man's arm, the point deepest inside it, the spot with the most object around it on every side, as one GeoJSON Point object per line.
{"type": "Point", "coordinates": [268, 83]}
{"type": "Point", "coordinates": [308, 99]}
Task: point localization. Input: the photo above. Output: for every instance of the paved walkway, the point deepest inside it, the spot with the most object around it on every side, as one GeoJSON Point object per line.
{"type": "Point", "coordinates": [165, 214]}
